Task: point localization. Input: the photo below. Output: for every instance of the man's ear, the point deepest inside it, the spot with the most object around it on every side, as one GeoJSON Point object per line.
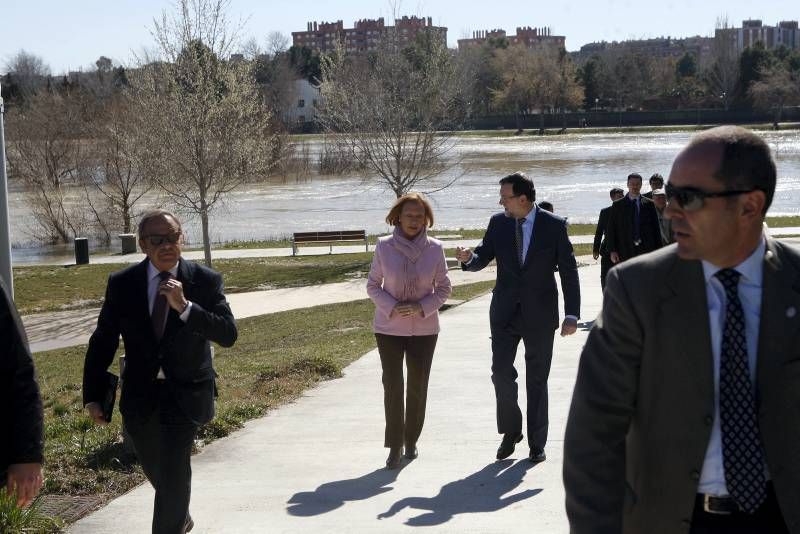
{"type": "Point", "coordinates": [753, 204]}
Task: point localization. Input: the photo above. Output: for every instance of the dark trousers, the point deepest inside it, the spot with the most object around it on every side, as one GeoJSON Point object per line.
{"type": "Point", "coordinates": [768, 519]}
{"type": "Point", "coordinates": [605, 266]}
{"type": "Point", "coordinates": [163, 443]}
{"type": "Point", "coordinates": [538, 354]}
{"type": "Point", "coordinates": [418, 351]}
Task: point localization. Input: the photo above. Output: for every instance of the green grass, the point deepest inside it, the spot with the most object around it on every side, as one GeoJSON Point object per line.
{"type": "Point", "coordinates": [15, 520]}
{"type": "Point", "coordinates": [783, 221]}
{"type": "Point", "coordinates": [50, 288]}
{"type": "Point", "coordinates": [275, 359]}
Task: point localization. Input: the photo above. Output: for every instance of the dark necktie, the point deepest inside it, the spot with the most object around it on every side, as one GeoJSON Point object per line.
{"type": "Point", "coordinates": [742, 455]}
{"type": "Point", "coordinates": [160, 308]}
{"type": "Point", "coordinates": [519, 241]}
{"type": "Point", "coordinates": [637, 236]}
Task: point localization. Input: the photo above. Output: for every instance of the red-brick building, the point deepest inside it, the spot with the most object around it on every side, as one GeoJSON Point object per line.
{"type": "Point", "coordinates": [366, 34]}
{"type": "Point", "coordinates": [528, 37]}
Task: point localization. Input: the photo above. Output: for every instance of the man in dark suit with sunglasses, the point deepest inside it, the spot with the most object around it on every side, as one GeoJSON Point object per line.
{"type": "Point", "coordinates": [632, 224]}
{"type": "Point", "coordinates": [167, 310]}
{"type": "Point", "coordinates": [685, 412]}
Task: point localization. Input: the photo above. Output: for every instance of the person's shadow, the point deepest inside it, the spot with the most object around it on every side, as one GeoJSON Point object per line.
{"type": "Point", "coordinates": [332, 495]}
{"type": "Point", "coordinates": [480, 492]}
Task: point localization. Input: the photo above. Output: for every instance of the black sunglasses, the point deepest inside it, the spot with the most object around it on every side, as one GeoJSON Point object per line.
{"type": "Point", "coordinates": [158, 240]}
{"type": "Point", "coordinates": [692, 199]}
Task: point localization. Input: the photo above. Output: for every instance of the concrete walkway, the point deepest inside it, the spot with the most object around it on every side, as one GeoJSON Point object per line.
{"type": "Point", "coordinates": [315, 465]}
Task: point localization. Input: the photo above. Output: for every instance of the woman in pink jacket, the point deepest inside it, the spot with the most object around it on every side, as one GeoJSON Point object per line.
{"type": "Point", "coordinates": [408, 284]}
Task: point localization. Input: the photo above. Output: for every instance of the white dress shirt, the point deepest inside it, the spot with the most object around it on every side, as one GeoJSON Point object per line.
{"type": "Point", "coordinates": [153, 282]}
{"type": "Point", "coordinates": [712, 476]}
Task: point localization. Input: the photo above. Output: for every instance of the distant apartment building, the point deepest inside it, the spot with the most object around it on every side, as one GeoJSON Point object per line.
{"type": "Point", "coordinates": [785, 33]}
{"type": "Point", "coordinates": [366, 34]}
{"type": "Point", "coordinates": [656, 47]}
{"type": "Point", "coordinates": [529, 37]}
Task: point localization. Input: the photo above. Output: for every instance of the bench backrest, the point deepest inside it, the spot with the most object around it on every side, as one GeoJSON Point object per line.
{"type": "Point", "coordinates": [321, 237]}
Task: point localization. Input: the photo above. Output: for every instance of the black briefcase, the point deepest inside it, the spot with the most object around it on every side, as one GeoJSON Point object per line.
{"type": "Point", "coordinates": [110, 395]}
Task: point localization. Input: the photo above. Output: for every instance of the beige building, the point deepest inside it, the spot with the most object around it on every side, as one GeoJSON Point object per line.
{"type": "Point", "coordinates": [366, 34]}
{"type": "Point", "coordinates": [785, 33]}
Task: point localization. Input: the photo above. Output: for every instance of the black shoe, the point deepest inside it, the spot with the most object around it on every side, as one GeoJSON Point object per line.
{"type": "Point", "coordinates": [411, 452]}
{"type": "Point", "coordinates": [537, 456]}
{"type": "Point", "coordinates": [506, 447]}
{"type": "Point", "coordinates": [189, 525]}
{"type": "Point", "coordinates": [393, 461]}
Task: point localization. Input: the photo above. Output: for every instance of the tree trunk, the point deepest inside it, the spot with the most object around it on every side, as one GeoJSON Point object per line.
{"type": "Point", "coordinates": [206, 238]}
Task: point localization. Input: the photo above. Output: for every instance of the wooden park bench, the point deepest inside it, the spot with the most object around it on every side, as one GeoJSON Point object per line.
{"type": "Point", "coordinates": [337, 236]}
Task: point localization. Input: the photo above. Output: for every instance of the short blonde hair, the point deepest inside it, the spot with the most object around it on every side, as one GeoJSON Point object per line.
{"type": "Point", "coordinates": [393, 217]}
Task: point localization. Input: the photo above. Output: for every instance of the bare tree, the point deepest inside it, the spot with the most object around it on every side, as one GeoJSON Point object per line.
{"type": "Point", "coordinates": [203, 124]}
{"type": "Point", "coordinates": [29, 71]}
{"type": "Point", "coordinates": [519, 88]}
{"type": "Point", "coordinates": [45, 152]}
{"type": "Point", "coordinates": [391, 111]}
{"type": "Point", "coordinates": [776, 89]}
{"type": "Point", "coordinates": [115, 172]}
{"type": "Point", "coordinates": [722, 69]}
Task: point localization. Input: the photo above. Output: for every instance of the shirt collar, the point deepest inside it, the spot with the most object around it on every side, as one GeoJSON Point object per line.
{"type": "Point", "coordinates": [152, 272]}
{"type": "Point", "coordinates": [751, 268]}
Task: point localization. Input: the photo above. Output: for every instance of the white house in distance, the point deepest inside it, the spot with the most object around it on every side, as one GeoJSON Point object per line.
{"type": "Point", "coordinates": [303, 109]}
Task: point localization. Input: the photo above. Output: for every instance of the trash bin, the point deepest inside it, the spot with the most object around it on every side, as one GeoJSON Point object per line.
{"type": "Point", "coordinates": [81, 251]}
{"type": "Point", "coordinates": [128, 243]}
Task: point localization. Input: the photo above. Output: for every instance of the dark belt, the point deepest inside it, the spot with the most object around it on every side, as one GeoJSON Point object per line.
{"type": "Point", "coordinates": [714, 504]}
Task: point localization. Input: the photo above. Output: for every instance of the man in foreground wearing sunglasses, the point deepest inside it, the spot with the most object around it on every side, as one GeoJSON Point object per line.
{"type": "Point", "coordinates": [686, 411]}
{"type": "Point", "coordinates": [167, 310]}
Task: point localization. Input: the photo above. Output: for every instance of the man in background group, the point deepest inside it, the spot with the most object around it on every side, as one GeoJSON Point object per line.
{"type": "Point", "coordinates": [599, 248]}
{"type": "Point", "coordinates": [633, 224]}
{"type": "Point", "coordinates": [167, 310]}
{"type": "Point", "coordinates": [660, 201]}
{"type": "Point", "coordinates": [656, 182]}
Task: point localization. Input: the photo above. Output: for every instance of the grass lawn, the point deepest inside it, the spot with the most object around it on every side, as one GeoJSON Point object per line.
{"type": "Point", "coordinates": [275, 359]}
{"type": "Point", "coordinates": [50, 288]}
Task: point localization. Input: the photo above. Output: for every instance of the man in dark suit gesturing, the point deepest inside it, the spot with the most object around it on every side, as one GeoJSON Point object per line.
{"type": "Point", "coordinates": [685, 413]}
{"type": "Point", "coordinates": [600, 247]}
{"type": "Point", "coordinates": [167, 310]}
{"type": "Point", "coordinates": [528, 244]}
{"type": "Point", "coordinates": [633, 227]}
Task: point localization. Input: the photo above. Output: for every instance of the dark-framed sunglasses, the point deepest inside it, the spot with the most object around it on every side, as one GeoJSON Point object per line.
{"type": "Point", "coordinates": [157, 240]}
{"type": "Point", "coordinates": [693, 199]}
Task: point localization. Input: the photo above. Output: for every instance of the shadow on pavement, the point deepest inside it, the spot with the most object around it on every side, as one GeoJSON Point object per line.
{"type": "Point", "coordinates": [332, 495]}
{"type": "Point", "coordinates": [478, 493]}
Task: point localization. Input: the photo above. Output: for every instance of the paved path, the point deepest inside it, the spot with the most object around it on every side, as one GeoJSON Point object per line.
{"type": "Point", "coordinates": [315, 465]}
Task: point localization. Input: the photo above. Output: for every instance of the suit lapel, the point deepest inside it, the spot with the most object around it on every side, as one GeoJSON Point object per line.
{"type": "Point", "coordinates": [780, 313]}
{"type": "Point", "coordinates": [685, 310]}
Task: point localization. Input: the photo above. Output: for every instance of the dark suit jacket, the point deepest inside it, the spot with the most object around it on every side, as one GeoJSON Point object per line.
{"type": "Point", "coordinates": [21, 415]}
{"type": "Point", "coordinates": [533, 285]}
{"type": "Point", "coordinates": [184, 351]}
{"type": "Point", "coordinates": [599, 247]}
{"type": "Point", "coordinates": [643, 404]}
{"type": "Point", "coordinates": [619, 234]}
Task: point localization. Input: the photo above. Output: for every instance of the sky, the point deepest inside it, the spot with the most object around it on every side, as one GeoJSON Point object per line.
{"type": "Point", "coordinates": [72, 35]}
